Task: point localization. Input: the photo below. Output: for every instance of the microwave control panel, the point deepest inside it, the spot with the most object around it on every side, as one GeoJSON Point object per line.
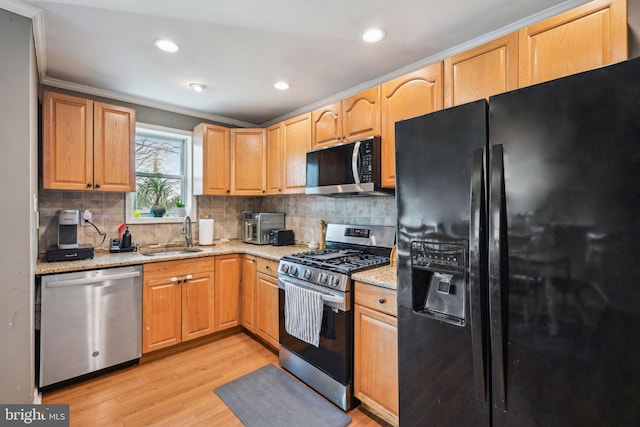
{"type": "Point", "coordinates": [438, 256]}
{"type": "Point", "coordinates": [366, 171]}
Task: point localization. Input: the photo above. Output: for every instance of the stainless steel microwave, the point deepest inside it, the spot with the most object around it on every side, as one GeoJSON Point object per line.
{"type": "Point", "coordinates": [347, 169]}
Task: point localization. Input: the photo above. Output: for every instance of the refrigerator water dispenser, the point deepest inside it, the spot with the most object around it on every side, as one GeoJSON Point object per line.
{"type": "Point", "coordinates": [438, 281]}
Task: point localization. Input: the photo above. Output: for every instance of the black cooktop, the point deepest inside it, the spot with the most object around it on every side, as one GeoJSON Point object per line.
{"type": "Point", "coordinates": [340, 260]}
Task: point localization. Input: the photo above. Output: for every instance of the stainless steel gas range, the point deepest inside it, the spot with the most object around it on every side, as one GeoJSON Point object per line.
{"type": "Point", "coordinates": [317, 285]}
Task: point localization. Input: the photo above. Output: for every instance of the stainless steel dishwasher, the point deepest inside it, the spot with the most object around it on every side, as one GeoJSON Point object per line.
{"type": "Point", "coordinates": [89, 321]}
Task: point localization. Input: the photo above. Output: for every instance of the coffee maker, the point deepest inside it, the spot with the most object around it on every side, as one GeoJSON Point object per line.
{"type": "Point", "coordinates": [68, 248]}
{"type": "Point", "coordinates": [68, 229]}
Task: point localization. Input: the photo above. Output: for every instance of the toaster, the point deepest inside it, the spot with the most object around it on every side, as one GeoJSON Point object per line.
{"type": "Point", "coordinates": [281, 237]}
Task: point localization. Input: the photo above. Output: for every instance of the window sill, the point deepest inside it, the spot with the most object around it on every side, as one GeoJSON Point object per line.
{"type": "Point", "coordinates": [161, 220]}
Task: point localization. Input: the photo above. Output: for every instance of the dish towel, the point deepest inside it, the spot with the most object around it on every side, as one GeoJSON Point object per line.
{"type": "Point", "coordinates": [303, 313]}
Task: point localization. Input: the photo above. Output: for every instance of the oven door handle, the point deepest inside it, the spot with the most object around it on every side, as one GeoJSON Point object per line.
{"type": "Point", "coordinates": [325, 297]}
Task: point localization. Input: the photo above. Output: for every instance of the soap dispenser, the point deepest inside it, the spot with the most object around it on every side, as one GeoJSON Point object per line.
{"type": "Point", "coordinates": [126, 239]}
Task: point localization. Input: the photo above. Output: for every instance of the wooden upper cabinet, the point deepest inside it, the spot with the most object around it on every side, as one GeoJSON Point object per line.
{"type": "Point", "coordinates": [211, 154]}
{"type": "Point", "coordinates": [295, 144]}
{"type": "Point", "coordinates": [411, 95]}
{"type": "Point", "coordinates": [583, 38]}
{"type": "Point", "coordinates": [248, 162]}
{"type": "Point", "coordinates": [274, 158]}
{"type": "Point", "coordinates": [327, 125]}
{"type": "Point", "coordinates": [361, 115]}
{"type": "Point", "coordinates": [481, 72]}
{"type": "Point", "coordinates": [87, 145]}
{"type": "Point", "coordinates": [353, 118]}
{"type": "Point", "coordinates": [114, 155]}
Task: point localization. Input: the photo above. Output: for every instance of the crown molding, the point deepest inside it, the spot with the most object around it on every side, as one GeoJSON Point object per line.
{"type": "Point", "coordinates": [440, 56]}
{"type": "Point", "coordinates": [75, 87]}
{"type": "Point", "coordinates": [37, 19]}
{"type": "Point", "coordinates": [37, 16]}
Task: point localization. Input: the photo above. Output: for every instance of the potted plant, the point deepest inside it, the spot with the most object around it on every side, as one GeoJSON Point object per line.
{"type": "Point", "coordinates": [154, 192]}
{"type": "Point", "coordinates": [180, 208]}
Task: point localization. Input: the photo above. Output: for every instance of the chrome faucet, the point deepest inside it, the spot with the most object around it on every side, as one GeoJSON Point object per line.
{"type": "Point", "coordinates": [186, 230]}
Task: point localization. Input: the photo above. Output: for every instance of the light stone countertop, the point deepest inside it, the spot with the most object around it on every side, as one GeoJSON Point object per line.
{"type": "Point", "coordinates": [105, 259]}
{"type": "Point", "coordinates": [383, 276]}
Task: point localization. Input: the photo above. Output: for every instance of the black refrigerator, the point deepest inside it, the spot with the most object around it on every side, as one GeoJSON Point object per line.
{"type": "Point", "coordinates": [519, 257]}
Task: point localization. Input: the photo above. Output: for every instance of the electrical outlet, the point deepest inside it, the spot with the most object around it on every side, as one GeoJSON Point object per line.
{"type": "Point", "coordinates": [86, 216]}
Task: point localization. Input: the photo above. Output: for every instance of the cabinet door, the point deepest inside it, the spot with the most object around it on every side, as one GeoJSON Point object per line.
{"type": "Point", "coordinates": [408, 96]}
{"type": "Point", "coordinates": [227, 291]}
{"type": "Point", "coordinates": [267, 309]}
{"type": "Point", "coordinates": [197, 305]}
{"type": "Point", "coordinates": [274, 159]}
{"type": "Point", "coordinates": [211, 160]}
{"type": "Point", "coordinates": [482, 71]}
{"type": "Point", "coordinates": [361, 115]}
{"type": "Point", "coordinates": [376, 361]}
{"type": "Point", "coordinates": [248, 293]}
{"type": "Point", "coordinates": [161, 314]}
{"type": "Point", "coordinates": [248, 162]}
{"type": "Point", "coordinates": [67, 147]}
{"type": "Point", "coordinates": [327, 125]}
{"type": "Point", "coordinates": [296, 143]}
{"type": "Point", "coordinates": [114, 133]}
{"type": "Point", "coordinates": [583, 38]}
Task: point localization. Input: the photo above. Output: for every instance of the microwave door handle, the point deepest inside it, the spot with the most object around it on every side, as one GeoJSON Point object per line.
{"type": "Point", "coordinates": [355, 163]}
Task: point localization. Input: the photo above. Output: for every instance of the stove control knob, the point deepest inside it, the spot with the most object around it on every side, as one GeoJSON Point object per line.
{"type": "Point", "coordinates": [293, 270]}
{"type": "Point", "coordinates": [334, 281]}
{"type": "Point", "coordinates": [322, 278]}
{"type": "Point", "coordinates": [307, 274]}
{"type": "Point", "coordinates": [284, 268]}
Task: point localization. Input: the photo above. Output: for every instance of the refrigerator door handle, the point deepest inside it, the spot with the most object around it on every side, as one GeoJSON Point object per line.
{"type": "Point", "coordinates": [477, 235]}
{"type": "Point", "coordinates": [497, 279]}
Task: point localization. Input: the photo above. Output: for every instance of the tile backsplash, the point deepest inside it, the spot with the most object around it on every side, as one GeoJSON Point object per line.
{"type": "Point", "coordinates": [302, 215]}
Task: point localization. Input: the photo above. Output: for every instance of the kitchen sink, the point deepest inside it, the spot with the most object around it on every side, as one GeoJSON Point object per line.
{"type": "Point", "coordinates": [171, 252]}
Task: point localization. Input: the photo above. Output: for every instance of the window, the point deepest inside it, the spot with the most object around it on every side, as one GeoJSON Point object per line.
{"type": "Point", "coordinates": [163, 171]}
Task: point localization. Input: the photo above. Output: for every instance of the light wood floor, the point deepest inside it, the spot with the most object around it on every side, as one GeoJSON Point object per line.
{"type": "Point", "coordinates": [176, 390]}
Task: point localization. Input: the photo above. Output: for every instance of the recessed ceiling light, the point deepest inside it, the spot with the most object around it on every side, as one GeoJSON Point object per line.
{"type": "Point", "coordinates": [281, 85]}
{"type": "Point", "coordinates": [373, 35]}
{"type": "Point", "coordinates": [166, 45]}
{"type": "Point", "coordinates": [198, 87]}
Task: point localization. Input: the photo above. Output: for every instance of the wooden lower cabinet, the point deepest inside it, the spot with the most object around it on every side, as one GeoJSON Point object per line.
{"type": "Point", "coordinates": [267, 309]}
{"type": "Point", "coordinates": [376, 350]}
{"type": "Point", "coordinates": [267, 326]}
{"type": "Point", "coordinates": [177, 302]}
{"type": "Point", "coordinates": [248, 293]}
{"type": "Point", "coordinates": [227, 291]}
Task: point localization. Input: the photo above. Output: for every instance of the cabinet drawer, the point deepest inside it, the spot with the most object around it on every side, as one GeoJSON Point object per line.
{"type": "Point", "coordinates": [268, 267]}
{"type": "Point", "coordinates": [177, 268]}
{"type": "Point", "coordinates": [376, 298]}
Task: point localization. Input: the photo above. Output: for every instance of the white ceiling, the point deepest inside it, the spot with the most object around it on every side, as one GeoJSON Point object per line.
{"type": "Point", "coordinates": [240, 48]}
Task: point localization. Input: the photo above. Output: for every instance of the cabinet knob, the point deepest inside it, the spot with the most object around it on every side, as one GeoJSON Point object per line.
{"type": "Point", "coordinates": [264, 191]}
{"type": "Point", "coordinates": [279, 189]}
{"type": "Point", "coordinates": [88, 185]}
{"type": "Point", "coordinates": [382, 300]}
{"type": "Point", "coordinates": [188, 277]}
{"type": "Point", "coordinates": [228, 191]}
{"type": "Point", "coordinates": [97, 185]}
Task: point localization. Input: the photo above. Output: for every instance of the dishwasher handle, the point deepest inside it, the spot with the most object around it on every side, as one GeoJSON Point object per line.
{"type": "Point", "coordinates": [90, 280]}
